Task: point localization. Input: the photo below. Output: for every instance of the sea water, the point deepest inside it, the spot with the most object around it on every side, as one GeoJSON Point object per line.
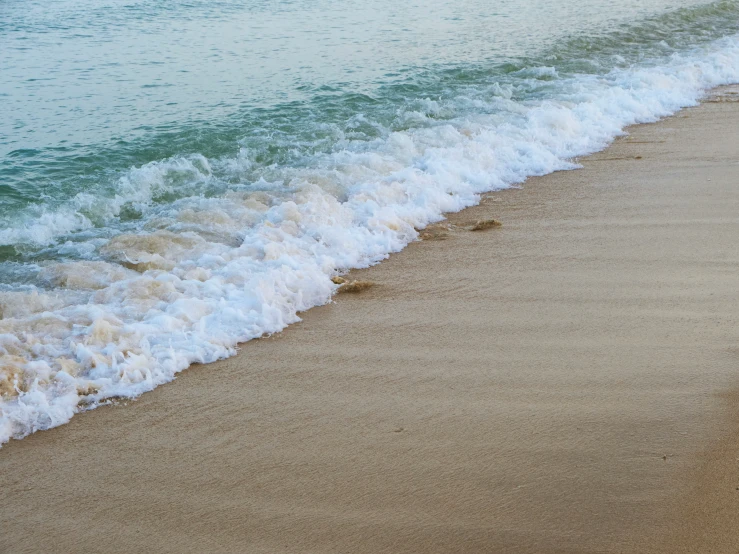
{"type": "Point", "coordinates": [179, 177]}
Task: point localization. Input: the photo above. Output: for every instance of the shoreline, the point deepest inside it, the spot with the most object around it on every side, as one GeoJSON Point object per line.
{"type": "Point", "coordinates": [525, 389]}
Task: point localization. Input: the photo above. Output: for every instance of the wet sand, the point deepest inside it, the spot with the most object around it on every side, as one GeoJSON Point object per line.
{"type": "Point", "coordinates": [565, 383]}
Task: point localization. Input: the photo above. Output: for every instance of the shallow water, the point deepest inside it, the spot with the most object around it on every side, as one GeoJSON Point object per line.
{"type": "Point", "coordinates": [174, 181]}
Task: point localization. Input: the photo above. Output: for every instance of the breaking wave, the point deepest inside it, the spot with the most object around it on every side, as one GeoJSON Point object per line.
{"type": "Point", "coordinates": [190, 255]}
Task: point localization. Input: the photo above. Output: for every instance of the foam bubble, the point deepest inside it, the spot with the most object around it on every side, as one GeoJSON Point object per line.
{"type": "Point", "coordinates": [83, 275]}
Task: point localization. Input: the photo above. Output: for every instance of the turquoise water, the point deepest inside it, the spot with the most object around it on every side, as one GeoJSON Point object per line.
{"type": "Point", "coordinates": [175, 178]}
{"type": "Point", "coordinates": [90, 89]}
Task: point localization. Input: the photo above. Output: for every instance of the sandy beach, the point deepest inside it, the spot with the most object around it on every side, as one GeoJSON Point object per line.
{"type": "Point", "coordinates": [565, 383]}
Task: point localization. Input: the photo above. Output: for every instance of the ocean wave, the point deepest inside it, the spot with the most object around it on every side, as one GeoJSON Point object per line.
{"type": "Point", "coordinates": [187, 276]}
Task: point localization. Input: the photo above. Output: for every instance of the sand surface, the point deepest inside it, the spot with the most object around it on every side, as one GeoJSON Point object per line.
{"type": "Point", "coordinates": [564, 383]}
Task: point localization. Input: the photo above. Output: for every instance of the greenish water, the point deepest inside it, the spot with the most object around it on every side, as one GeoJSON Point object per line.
{"type": "Point", "coordinates": [90, 89]}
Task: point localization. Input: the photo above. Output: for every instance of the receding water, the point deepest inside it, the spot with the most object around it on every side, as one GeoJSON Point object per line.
{"type": "Point", "coordinates": [177, 177]}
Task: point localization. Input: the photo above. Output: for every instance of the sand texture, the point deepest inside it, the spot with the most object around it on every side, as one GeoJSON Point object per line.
{"type": "Point", "coordinates": [561, 383]}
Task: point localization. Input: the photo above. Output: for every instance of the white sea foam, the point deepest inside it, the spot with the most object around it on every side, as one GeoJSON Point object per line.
{"type": "Point", "coordinates": [204, 274]}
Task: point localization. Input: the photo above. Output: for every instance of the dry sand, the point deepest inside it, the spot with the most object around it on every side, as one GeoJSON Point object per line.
{"type": "Point", "coordinates": [562, 383]}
